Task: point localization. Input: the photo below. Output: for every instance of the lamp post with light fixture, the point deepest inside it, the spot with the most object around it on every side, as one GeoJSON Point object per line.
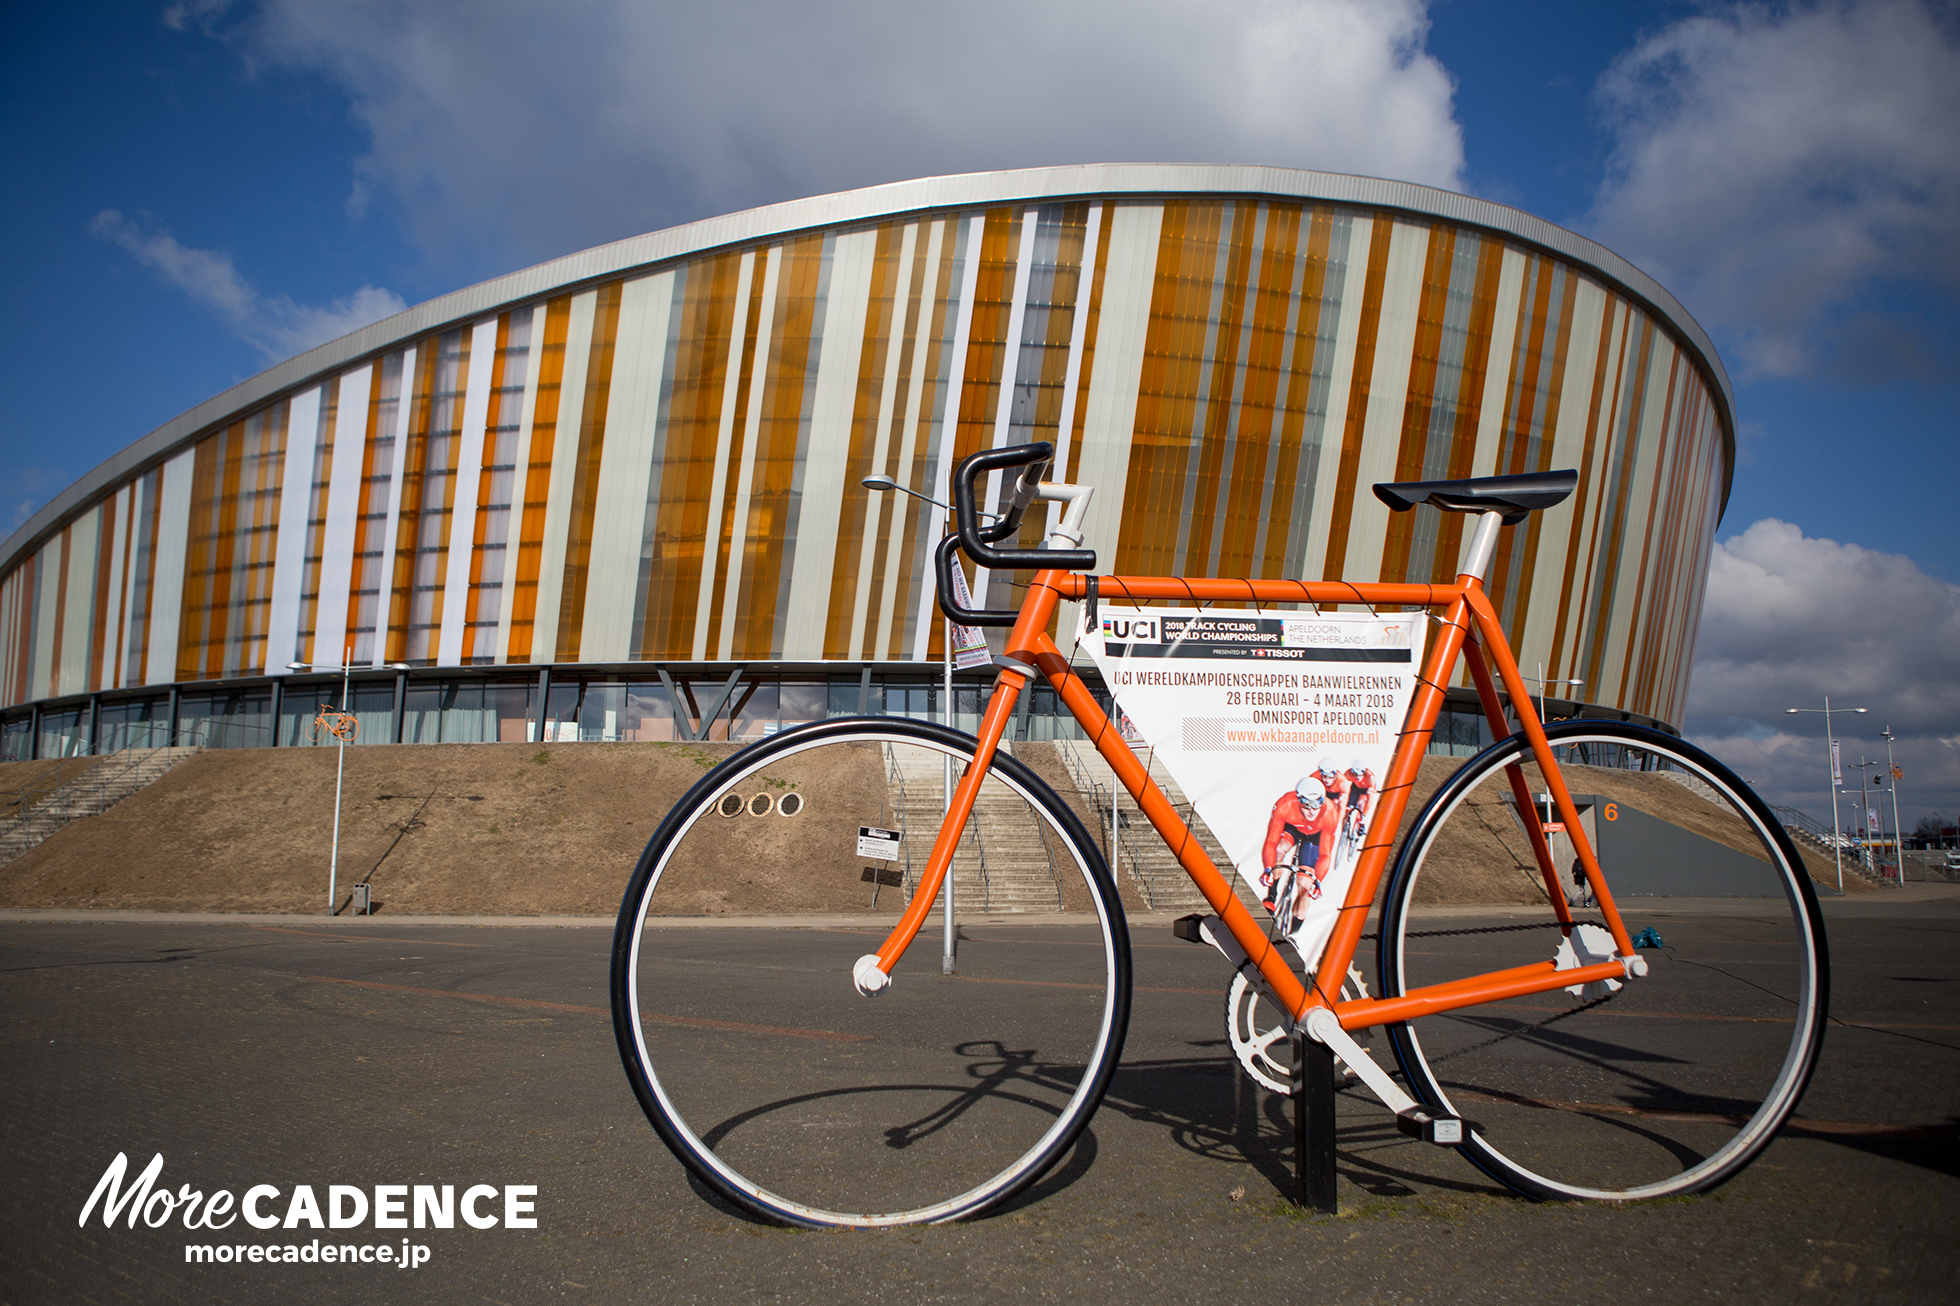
{"type": "Point", "coordinates": [1898, 835]}
{"type": "Point", "coordinates": [346, 669]}
{"type": "Point", "coordinates": [1837, 778]}
{"type": "Point", "coordinates": [949, 955]}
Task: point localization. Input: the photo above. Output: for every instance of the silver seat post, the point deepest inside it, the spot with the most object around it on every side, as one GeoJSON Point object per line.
{"type": "Point", "coordinates": [1483, 545]}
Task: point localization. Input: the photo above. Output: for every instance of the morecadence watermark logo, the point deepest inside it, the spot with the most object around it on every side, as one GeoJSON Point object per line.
{"type": "Point", "coordinates": [266, 1206]}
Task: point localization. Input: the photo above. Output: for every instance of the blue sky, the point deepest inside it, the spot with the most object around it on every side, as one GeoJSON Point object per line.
{"type": "Point", "coordinates": [199, 189]}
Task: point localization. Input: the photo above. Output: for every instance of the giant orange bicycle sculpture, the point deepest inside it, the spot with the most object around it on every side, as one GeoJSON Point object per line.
{"type": "Point", "coordinates": [1650, 1044]}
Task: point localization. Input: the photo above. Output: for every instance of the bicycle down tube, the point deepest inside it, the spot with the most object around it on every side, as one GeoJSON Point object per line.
{"type": "Point", "coordinates": [1466, 609]}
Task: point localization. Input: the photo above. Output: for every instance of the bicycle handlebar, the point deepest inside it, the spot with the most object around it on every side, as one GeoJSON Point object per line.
{"type": "Point", "coordinates": [978, 541]}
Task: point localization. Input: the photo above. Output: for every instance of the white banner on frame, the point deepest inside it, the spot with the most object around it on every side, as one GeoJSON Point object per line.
{"type": "Point", "coordinates": [1278, 727]}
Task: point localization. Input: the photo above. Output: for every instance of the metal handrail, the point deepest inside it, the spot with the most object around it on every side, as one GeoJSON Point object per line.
{"type": "Point", "coordinates": [94, 780]}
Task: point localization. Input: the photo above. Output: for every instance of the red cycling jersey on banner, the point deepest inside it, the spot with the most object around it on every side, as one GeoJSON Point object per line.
{"type": "Point", "coordinates": [1292, 821]}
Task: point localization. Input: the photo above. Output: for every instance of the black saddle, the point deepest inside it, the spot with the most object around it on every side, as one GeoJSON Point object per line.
{"type": "Point", "coordinates": [1514, 496]}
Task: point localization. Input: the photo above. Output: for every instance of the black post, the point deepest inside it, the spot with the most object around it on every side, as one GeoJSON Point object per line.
{"type": "Point", "coordinates": [1313, 1125]}
{"type": "Point", "coordinates": [176, 705]}
{"type": "Point", "coordinates": [544, 696]}
{"type": "Point", "coordinates": [278, 706]}
{"type": "Point", "coordinates": [401, 705]}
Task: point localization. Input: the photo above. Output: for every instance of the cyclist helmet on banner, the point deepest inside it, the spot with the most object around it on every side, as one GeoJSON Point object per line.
{"type": "Point", "coordinates": [1358, 767]}
{"type": "Point", "coordinates": [1326, 768]}
{"type": "Point", "coordinates": [1312, 793]}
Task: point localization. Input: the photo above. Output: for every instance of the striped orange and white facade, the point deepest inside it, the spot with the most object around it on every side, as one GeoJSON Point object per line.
{"type": "Point", "coordinates": [651, 452]}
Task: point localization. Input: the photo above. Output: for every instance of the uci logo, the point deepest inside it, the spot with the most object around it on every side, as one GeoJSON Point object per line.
{"type": "Point", "coordinates": [1130, 630]}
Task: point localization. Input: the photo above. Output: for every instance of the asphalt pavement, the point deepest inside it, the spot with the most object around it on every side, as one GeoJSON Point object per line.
{"type": "Point", "coordinates": [292, 1052]}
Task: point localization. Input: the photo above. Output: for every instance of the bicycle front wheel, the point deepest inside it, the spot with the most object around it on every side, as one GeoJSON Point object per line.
{"type": "Point", "coordinates": [780, 1087]}
{"type": "Point", "coordinates": [1672, 1082]}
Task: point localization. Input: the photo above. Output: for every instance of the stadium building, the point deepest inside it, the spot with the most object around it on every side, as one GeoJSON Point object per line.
{"type": "Point", "coordinates": [616, 496]}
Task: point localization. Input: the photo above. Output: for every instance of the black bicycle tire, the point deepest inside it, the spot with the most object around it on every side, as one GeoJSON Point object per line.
{"type": "Point", "coordinates": [681, 1141]}
{"type": "Point", "coordinates": [1804, 1050]}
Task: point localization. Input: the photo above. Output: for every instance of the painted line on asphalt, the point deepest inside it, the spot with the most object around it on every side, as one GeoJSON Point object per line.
{"type": "Point", "coordinates": [692, 1022]}
{"type": "Point", "coordinates": [366, 938]}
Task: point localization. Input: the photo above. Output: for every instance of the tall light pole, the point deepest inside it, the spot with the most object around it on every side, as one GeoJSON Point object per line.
{"type": "Point", "coordinates": [346, 669]}
{"type": "Point", "coordinates": [949, 954]}
{"type": "Point", "coordinates": [1898, 835]}
{"type": "Point", "coordinates": [1837, 778]}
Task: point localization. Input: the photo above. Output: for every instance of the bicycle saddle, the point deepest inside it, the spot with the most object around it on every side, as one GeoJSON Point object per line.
{"type": "Point", "coordinates": [1514, 496]}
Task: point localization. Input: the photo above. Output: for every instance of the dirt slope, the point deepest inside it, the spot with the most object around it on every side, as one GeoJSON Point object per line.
{"type": "Point", "coordinates": [549, 829]}
{"type": "Point", "coordinates": [459, 829]}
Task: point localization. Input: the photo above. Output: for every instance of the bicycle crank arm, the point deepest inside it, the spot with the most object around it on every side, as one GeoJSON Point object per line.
{"type": "Point", "coordinates": [1411, 1118]}
{"type": "Point", "coordinates": [1210, 929]}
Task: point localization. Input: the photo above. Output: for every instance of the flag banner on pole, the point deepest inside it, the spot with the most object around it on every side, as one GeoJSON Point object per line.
{"type": "Point", "coordinates": [1837, 772]}
{"type": "Point", "coordinates": [1279, 728]}
{"type": "Point", "coordinates": [969, 642]}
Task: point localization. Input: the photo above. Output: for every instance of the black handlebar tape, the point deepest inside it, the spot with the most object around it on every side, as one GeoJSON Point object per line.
{"type": "Point", "coordinates": [1008, 524]}
{"type": "Point", "coordinates": [943, 563]}
{"type": "Point", "coordinates": [978, 542]}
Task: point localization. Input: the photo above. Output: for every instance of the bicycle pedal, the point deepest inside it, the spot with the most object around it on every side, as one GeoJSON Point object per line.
{"type": "Point", "coordinates": [1444, 1131]}
{"type": "Point", "coordinates": [1186, 928]}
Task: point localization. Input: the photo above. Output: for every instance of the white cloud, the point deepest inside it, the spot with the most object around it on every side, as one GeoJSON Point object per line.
{"type": "Point", "coordinates": [518, 130]}
{"type": "Point", "coordinates": [1775, 166]}
{"type": "Point", "coordinates": [1789, 619]}
{"type": "Point", "coordinates": [27, 489]}
{"type": "Point", "coordinates": [273, 324]}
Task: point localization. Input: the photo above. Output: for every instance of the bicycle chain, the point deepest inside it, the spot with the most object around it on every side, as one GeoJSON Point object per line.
{"type": "Point", "coordinates": [1527, 1029]}
{"type": "Point", "coordinates": [1481, 929]}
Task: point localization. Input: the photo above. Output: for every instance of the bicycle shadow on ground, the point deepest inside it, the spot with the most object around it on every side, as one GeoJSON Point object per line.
{"type": "Point", "coordinates": [1212, 1110]}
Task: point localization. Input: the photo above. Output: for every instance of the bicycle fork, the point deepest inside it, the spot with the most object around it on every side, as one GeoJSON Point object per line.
{"type": "Point", "coordinates": [872, 973]}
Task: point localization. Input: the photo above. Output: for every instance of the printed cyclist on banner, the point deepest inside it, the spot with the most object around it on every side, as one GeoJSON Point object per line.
{"type": "Point", "coordinates": [1276, 726]}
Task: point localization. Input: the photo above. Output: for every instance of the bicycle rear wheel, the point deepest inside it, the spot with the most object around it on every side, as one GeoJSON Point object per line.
{"type": "Point", "coordinates": [1675, 1081]}
{"type": "Point", "coordinates": [779, 1086]}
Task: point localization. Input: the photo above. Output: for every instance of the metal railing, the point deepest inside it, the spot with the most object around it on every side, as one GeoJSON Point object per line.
{"type": "Point", "coordinates": [85, 795]}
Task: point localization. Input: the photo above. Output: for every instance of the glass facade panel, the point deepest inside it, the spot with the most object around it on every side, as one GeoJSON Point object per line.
{"type": "Point", "coordinates": [848, 697]}
{"type": "Point", "coordinates": [561, 712]}
{"type": "Point", "coordinates": [753, 712]}
{"type": "Point", "coordinates": [602, 713]}
{"type": "Point", "coordinates": [240, 718]}
{"type": "Point", "coordinates": [423, 708]}
{"type": "Point", "coordinates": [800, 702]}
{"type": "Point", "coordinates": [16, 739]}
{"type": "Point", "coordinates": [64, 731]}
{"type": "Point", "coordinates": [1460, 732]}
{"type": "Point", "coordinates": [373, 706]}
{"type": "Point", "coordinates": [468, 712]}
{"type": "Point", "coordinates": [649, 714]}
{"type": "Point", "coordinates": [136, 723]}
{"type": "Point", "coordinates": [298, 705]}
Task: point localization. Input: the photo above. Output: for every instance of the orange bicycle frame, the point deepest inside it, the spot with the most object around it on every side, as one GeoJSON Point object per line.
{"type": "Point", "coordinates": [1470, 631]}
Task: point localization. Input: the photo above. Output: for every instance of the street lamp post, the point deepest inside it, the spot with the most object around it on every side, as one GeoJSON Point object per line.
{"type": "Point", "coordinates": [949, 954]}
{"type": "Point", "coordinates": [346, 670]}
{"type": "Point", "coordinates": [1898, 835]}
{"type": "Point", "coordinates": [1837, 778]}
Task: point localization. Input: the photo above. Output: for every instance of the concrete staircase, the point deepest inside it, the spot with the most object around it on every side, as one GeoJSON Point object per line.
{"type": "Point", "coordinates": [1003, 863]}
{"type": "Point", "coordinates": [113, 778]}
{"type": "Point", "coordinates": [1141, 856]}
